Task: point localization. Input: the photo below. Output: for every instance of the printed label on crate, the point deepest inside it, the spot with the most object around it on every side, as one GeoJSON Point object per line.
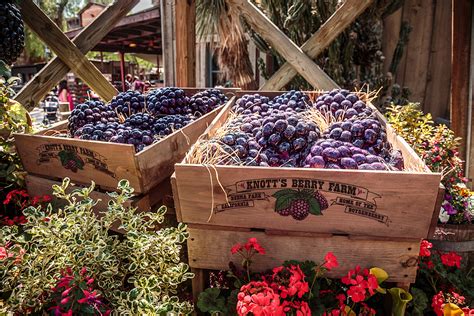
{"type": "Point", "coordinates": [299, 198]}
{"type": "Point", "coordinates": [73, 158]}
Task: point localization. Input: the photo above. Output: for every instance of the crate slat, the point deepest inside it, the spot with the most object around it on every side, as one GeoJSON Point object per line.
{"type": "Point", "coordinates": [211, 250]}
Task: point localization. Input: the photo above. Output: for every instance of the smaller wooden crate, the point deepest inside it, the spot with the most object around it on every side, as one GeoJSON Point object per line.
{"type": "Point", "coordinates": [107, 163]}
{"type": "Point", "coordinates": [143, 202]}
{"type": "Point", "coordinates": [209, 248]}
{"type": "Point", "coordinates": [159, 195]}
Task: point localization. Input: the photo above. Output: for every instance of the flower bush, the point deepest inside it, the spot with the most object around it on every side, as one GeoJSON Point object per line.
{"type": "Point", "coordinates": [13, 119]}
{"type": "Point", "coordinates": [294, 288]}
{"type": "Point", "coordinates": [441, 280]}
{"type": "Point", "coordinates": [67, 262]}
{"type": "Point", "coordinates": [438, 147]}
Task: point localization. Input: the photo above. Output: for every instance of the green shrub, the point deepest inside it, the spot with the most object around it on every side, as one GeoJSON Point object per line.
{"type": "Point", "coordinates": [137, 273]}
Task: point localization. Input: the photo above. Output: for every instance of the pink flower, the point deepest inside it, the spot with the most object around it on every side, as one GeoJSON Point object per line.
{"type": "Point", "coordinates": [330, 261]}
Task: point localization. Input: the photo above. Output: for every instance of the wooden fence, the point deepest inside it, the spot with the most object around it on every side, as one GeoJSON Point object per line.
{"type": "Point", "coordinates": [425, 67]}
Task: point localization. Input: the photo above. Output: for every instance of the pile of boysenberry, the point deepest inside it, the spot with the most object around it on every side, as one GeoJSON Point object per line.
{"type": "Point", "coordinates": [278, 133]}
{"type": "Point", "coordinates": [138, 119]}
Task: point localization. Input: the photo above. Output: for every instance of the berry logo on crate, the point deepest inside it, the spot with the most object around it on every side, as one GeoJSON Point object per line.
{"type": "Point", "coordinates": [301, 197]}
{"type": "Point", "coordinates": [73, 158]}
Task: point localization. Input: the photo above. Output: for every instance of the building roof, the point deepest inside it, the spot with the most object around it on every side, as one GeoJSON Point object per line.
{"type": "Point", "coordinates": [135, 33]}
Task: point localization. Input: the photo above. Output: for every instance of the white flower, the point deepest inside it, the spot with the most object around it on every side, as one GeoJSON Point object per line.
{"type": "Point", "coordinates": [443, 215]}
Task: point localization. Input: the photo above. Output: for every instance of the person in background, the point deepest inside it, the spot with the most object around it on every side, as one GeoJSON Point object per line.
{"type": "Point", "coordinates": [128, 82]}
{"type": "Point", "coordinates": [138, 85]}
{"type": "Point", "coordinates": [64, 95]}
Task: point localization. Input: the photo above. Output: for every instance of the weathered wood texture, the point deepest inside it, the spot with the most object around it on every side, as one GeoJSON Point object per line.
{"type": "Point", "coordinates": [425, 67]}
{"type": "Point", "coordinates": [293, 54]}
{"type": "Point", "coordinates": [185, 23]}
{"type": "Point", "coordinates": [167, 12]}
{"type": "Point", "coordinates": [391, 204]}
{"type": "Point", "coordinates": [210, 249]}
{"type": "Point", "coordinates": [60, 44]}
{"type": "Point", "coordinates": [56, 69]}
{"type": "Point", "coordinates": [341, 19]}
{"type": "Point", "coordinates": [107, 163]}
{"type": "Point", "coordinates": [461, 47]}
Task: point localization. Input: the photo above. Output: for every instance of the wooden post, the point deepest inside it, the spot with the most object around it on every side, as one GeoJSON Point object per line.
{"type": "Point", "coordinates": [56, 69]}
{"type": "Point", "coordinates": [289, 50]}
{"type": "Point", "coordinates": [185, 19]}
{"type": "Point", "coordinates": [470, 104]}
{"type": "Point", "coordinates": [341, 19]}
{"type": "Point", "coordinates": [167, 14]}
{"type": "Point", "coordinates": [461, 37]}
{"type": "Point", "coordinates": [50, 33]}
{"type": "Point", "coordinates": [122, 71]}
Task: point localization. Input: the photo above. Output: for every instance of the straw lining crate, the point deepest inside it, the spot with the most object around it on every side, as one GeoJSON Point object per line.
{"type": "Point", "coordinates": [107, 163]}
{"type": "Point", "coordinates": [395, 204]}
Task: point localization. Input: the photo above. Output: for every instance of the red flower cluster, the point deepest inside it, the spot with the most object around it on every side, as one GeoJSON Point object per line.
{"type": "Point", "coordinates": [425, 248]}
{"type": "Point", "coordinates": [74, 292]}
{"type": "Point", "coordinates": [296, 308]}
{"type": "Point", "coordinates": [251, 245]}
{"type": "Point", "coordinates": [451, 259]}
{"type": "Point", "coordinates": [440, 299]}
{"type": "Point", "coordinates": [259, 299]}
{"type": "Point", "coordinates": [15, 202]}
{"type": "Point", "coordinates": [289, 281]}
{"type": "Point", "coordinates": [360, 284]}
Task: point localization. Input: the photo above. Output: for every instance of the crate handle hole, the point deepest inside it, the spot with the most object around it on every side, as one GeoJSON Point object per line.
{"type": "Point", "coordinates": [406, 275]}
{"type": "Point", "coordinates": [409, 248]}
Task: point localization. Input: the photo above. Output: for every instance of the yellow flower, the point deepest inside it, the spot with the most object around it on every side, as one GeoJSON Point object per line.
{"type": "Point", "coordinates": [451, 309]}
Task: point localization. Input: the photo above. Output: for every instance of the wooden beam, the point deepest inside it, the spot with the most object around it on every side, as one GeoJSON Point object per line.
{"type": "Point", "coordinates": [52, 36]}
{"type": "Point", "coordinates": [167, 26]}
{"type": "Point", "coordinates": [185, 20]}
{"type": "Point", "coordinates": [460, 55]}
{"type": "Point", "coordinates": [325, 35]}
{"type": "Point", "coordinates": [288, 49]}
{"type": "Point", "coordinates": [55, 70]}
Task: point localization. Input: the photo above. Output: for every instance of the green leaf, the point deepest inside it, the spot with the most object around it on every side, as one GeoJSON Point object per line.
{"type": "Point", "coordinates": [209, 301]}
{"type": "Point", "coordinates": [283, 202]}
{"type": "Point", "coordinates": [314, 207]}
{"type": "Point", "coordinates": [420, 301]}
{"type": "Point", "coordinates": [4, 70]}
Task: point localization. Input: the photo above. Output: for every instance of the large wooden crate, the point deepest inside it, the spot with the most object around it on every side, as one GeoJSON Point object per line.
{"type": "Point", "coordinates": [395, 204]}
{"type": "Point", "coordinates": [107, 163]}
{"type": "Point", "coordinates": [374, 218]}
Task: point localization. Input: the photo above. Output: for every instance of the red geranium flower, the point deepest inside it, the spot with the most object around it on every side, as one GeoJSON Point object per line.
{"type": "Point", "coordinates": [297, 308]}
{"type": "Point", "coordinates": [330, 261]}
{"type": "Point", "coordinates": [425, 248]}
{"type": "Point", "coordinates": [235, 248]}
{"type": "Point", "coordinates": [451, 259]}
{"type": "Point", "coordinates": [289, 281]}
{"type": "Point", "coordinates": [357, 293]}
{"type": "Point", "coordinates": [258, 299]}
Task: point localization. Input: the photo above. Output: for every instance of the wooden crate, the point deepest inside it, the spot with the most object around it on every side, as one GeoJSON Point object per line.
{"type": "Point", "coordinates": [159, 195]}
{"type": "Point", "coordinates": [107, 163]}
{"type": "Point", "coordinates": [209, 248]}
{"type": "Point", "coordinates": [143, 202]}
{"type": "Point", "coordinates": [364, 203]}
